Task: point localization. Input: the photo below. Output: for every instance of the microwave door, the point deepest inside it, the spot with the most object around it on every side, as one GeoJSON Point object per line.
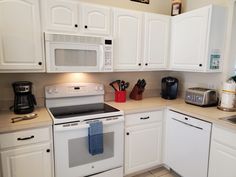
{"type": "Point", "coordinates": [74, 58]}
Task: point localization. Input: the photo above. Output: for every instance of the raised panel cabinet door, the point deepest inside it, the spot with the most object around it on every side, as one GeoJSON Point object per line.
{"type": "Point", "coordinates": [156, 47]}
{"type": "Point", "coordinates": [189, 40]}
{"type": "Point", "coordinates": [20, 36]}
{"type": "Point", "coordinates": [222, 160]}
{"type": "Point", "coordinates": [62, 15]}
{"type": "Point", "coordinates": [28, 161]}
{"type": "Point", "coordinates": [127, 40]}
{"type": "Point", "coordinates": [143, 147]}
{"type": "Point", "coordinates": [95, 19]}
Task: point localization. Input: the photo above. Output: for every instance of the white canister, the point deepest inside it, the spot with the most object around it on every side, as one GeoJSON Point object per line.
{"type": "Point", "coordinates": [228, 95]}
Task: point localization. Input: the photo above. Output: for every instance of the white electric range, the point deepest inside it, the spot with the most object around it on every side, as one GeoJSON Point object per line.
{"type": "Point", "coordinates": [73, 106]}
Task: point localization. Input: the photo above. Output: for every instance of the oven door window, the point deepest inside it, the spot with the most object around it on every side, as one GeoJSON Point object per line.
{"type": "Point", "coordinates": [78, 150]}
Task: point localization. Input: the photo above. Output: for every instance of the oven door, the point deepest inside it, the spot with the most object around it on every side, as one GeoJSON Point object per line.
{"type": "Point", "coordinates": [72, 157]}
{"type": "Point", "coordinates": [73, 57]}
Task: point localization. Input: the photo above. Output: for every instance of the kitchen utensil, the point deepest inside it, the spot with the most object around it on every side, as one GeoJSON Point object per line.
{"type": "Point", "coordinates": [26, 117]}
{"type": "Point", "coordinates": [137, 91]}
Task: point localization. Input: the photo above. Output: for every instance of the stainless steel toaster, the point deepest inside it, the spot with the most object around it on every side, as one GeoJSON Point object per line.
{"type": "Point", "coordinates": [201, 96]}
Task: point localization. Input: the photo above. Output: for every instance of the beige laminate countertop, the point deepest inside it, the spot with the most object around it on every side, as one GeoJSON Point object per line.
{"type": "Point", "coordinates": [6, 125]}
{"type": "Point", "coordinates": [210, 114]}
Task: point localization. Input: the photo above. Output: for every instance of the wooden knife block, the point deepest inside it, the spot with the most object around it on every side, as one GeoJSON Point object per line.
{"type": "Point", "coordinates": [136, 93]}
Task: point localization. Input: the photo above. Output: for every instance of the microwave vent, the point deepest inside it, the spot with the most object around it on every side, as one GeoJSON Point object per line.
{"type": "Point", "coordinates": [74, 39]}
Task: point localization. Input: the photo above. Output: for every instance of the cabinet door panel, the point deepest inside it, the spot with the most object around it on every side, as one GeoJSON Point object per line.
{"type": "Point", "coordinates": [95, 19]}
{"type": "Point", "coordinates": [127, 40]}
{"type": "Point", "coordinates": [142, 147]}
{"type": "Point", "coordinates": [62, 16]}
{"type": "Point", "coordinates": [156, 41]}
{"type": "Point", "coordinates": [189, 39]}
{"type": "Point", "coordinates": [20, 35]}
{"type": "Point", "coordinates": [222, 161]}
{"type": "Point", "coordinates": [27, 162]}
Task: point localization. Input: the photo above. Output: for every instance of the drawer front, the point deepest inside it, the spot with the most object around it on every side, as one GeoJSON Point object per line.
{"type": "Point", "coordinates": [24, 137]}
{"type": "Point", "coordinates": [224, 136]}
{"type": "Point", "coordinates": [143, 118]}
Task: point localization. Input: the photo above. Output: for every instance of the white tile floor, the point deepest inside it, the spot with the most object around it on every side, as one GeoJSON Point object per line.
{"type": "Point", "coordinates": [159, 172]}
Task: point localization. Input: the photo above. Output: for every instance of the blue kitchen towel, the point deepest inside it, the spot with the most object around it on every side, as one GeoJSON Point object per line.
{"type": "Point", "coordinates": [95, 138]}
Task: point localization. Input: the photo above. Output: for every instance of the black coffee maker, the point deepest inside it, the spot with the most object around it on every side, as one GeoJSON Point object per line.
{"type": "Point", "coordinates": [169, 88]}
{"type": "Point", "coordinates": [24, 99]}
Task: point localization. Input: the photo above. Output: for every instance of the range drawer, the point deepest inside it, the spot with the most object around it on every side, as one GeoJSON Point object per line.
{"type": "Point", "coordinates": [24, 137]}
{"type": "Point", "coordinates": [143, 118]}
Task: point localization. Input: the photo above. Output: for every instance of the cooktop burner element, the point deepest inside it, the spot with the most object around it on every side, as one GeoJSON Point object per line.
{"type": "Point", "coordinates": [81, 110]}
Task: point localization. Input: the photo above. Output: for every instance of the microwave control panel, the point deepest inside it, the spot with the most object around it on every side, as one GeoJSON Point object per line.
{"type": "Point", "coordinates": [108, 55]}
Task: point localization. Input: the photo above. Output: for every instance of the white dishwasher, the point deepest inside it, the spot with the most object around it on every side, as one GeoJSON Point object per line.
{"type": "Point", "coordinates": [187, 144]}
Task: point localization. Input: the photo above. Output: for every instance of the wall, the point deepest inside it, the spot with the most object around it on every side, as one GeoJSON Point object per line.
{"type": "Point", "coordinates": [194, 4]}
{"type": "Point", "coordinates": [156, 6]}
{"type": "Point", "coordinates": [153, 80]}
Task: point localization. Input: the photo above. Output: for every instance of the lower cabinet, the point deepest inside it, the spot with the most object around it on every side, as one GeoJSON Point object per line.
{"type": "Point", "coordinates": [222, 153]}
{"type": "Point", "coordinates": [26, 154]}
{"type": "Point", "coordinates": [143, 141]}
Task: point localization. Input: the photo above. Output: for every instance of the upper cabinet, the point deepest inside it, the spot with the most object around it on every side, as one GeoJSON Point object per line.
{"type": "Point", "coordinates": [95, 19]}
{"type": "Point", "coordinates": [20, 36]}
{"type": "Point", "coordinates": [61, 15]}
{"type": "Point", "coordinates": [73, 17]}
{"type": "Point", "coordinates": [197, 40]}
{"type": "Point", "coordinates": [140, 40]}
{"type": "Point", "coordinates": [156, 41]}
{"type": "Point", "coordinates": [127, 40]}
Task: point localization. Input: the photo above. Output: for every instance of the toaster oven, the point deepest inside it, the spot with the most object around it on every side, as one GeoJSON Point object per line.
{"type": "Point", "coordinates": [201, 96]}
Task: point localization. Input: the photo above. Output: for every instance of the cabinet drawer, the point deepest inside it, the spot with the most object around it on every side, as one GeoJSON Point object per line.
{"type": "Point", "coordinates": [224, 136]}
{"type": "Point", "coordinates": [142, 118]}
{"type": "Point", "coordinates": [24, 137]}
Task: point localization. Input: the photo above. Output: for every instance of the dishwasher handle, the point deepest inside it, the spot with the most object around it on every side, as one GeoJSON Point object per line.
{"type": "Point", "coordinates": [190, 125]}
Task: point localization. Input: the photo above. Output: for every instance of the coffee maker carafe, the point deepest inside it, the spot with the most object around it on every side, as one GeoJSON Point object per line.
{"type": "Point", "coordinates": [24, 99]}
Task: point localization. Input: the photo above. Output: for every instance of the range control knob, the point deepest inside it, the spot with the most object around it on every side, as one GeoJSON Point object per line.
{"type": "Point", "coordinates": [49, 91]}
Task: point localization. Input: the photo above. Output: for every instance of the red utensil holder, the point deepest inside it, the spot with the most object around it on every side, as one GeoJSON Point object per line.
{"type": "Point", "coordinates": [120, 96]}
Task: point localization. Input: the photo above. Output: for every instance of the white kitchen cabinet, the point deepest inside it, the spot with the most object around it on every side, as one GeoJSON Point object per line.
{"type": "Point", "coordinates": [197, 40]}
{"type": "Point", "coordinates": [61, 15]}
{"type": "Point", "coordinates": [222, 153]}
{"type": "Point", "coordinates": [20, 36]}
{"type": "Point", "coordinates": [156, 41]}
{"type": "Point", "coordinates": [127, 40]}
{"type": "Point", "coordinates": [143, 141]}
{"type": "Point", "coordinates": [27, 153]}
{"type": "Point", "coordinates": [141, 40]}
{"type": "Point", "coordinates": [95, 19]}
{"type": "Point", "coordinates": [69, 16]}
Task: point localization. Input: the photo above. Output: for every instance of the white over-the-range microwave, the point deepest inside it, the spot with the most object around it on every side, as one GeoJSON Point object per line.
{"type": "Point", "coordinates": [72, 53]}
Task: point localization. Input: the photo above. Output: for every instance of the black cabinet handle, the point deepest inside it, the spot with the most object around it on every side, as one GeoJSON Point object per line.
{"type": "Point", "coordinates": [200, 65]}
{"type": "Point", "coordinates": [85, 26]}
{"type": "Point", "coordinates": [139, 64]}
{"type": "Point", "coordinates": [26, 138]}
{"type": "Point", "coordinates": [127, 133]}
{"type": "Point", "coordinates": [40, 63]}
{"type": "Point", "coordinates": [76, 25]}
{"type": "Point", "coordinates": [48, 150]}
{"type": "Point", "coordinates": [186, 118]}
{"type": "Point", "coordinates": [146, 64]}
{"type": "Point", "coordinates": [144, 118]}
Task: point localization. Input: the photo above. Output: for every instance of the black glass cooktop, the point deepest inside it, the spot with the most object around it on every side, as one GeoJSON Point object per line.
{"type": "Point", "coordinates": [81, 110]}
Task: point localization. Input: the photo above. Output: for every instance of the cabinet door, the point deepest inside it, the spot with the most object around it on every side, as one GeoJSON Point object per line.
{"type": "Point", "coordinates": [156, 37]}
{"type": "Point", "coordinates": [189, 40]}
{"type": "Point", "coordinates": [28, 161]}
{"type": "Point", "coordinates": [20, 36]}
{"type": "Point", "coordinates": [127, 40]}
{"type": "Point", "coordinates": [143, 147]}
{"type": "Point", "coordinates": [95, 19]}
{"type": "Point", "coordinates": [222, 153]}
{"type": "Point", "coordinates": [62, 15]}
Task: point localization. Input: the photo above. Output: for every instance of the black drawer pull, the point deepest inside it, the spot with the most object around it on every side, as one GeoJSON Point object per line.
{"type": "Point", "coordinates": [127, 133]}
{"type": "Point", "coordinates": [144, 118]}
{"type": "Point", "coordinates": [26, 138]}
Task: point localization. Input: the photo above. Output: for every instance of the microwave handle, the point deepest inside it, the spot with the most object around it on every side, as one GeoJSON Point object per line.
{"type": "Point", "coordinates": [101, 57]}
